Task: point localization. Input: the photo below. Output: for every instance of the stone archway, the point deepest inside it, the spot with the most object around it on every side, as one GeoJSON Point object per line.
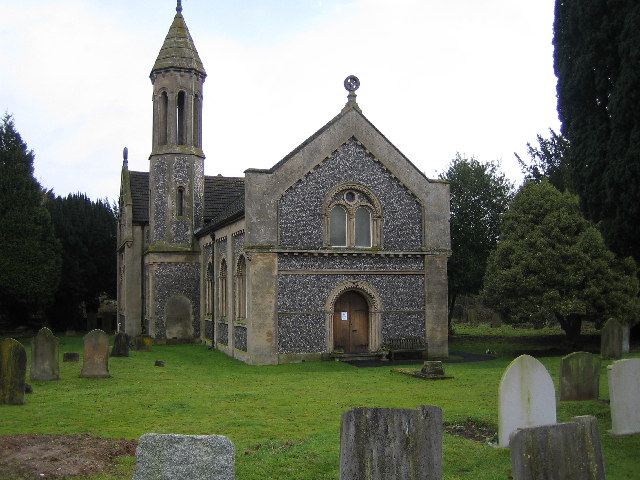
{"type": "Point", "coordinates": [374, 313]}
{"type": "Point", "coordinates": [179, 318]}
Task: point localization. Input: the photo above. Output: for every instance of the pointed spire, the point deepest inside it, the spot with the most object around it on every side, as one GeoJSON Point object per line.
{"type": "Point", "coordinates": [178, 50]}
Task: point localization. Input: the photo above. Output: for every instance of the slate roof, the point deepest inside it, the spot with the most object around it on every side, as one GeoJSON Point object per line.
{"type": "Point", "coordinates": [223, 198]}
{"type": "Point", "coordinates": [178, 50]}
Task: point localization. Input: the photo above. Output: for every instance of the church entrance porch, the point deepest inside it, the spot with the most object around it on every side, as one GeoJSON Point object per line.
{"type": "Point", "coordinates": [351, 323]}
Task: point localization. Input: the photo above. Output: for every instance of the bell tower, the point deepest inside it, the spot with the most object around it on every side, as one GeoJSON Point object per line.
{"type": "Point", "coordinates": [171, 275]}
{"type": "Point", "coordinates": [177, 161]}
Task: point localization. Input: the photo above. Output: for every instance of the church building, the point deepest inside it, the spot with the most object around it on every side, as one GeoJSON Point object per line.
{"type": "Point", "coordinates": [339, 247]}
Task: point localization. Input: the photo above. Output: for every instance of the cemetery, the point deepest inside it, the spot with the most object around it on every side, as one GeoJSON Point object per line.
{"type": "Point", "coordinates": [316, 420]}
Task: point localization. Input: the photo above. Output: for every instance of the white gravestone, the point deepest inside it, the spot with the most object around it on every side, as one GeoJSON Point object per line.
{"type": "Point", "coordinates": [527, 397]}
{"type": "Point", "coordinates": [624, 396]}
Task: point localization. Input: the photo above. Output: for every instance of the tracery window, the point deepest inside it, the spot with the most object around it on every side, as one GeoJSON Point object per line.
{"type": "Point", "coordinates": [353, 217]}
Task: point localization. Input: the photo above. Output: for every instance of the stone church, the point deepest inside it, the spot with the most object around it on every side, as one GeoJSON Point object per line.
{"type": "Point", "coordinates": [338, 247]}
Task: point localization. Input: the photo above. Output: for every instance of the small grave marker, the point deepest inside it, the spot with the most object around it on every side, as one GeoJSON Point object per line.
{"type": "Point", "coordinates": [390, 443]}
{"type": "Point", "coordinates": [13, 372]}
{"type": "Point", "coordinates": [565, 451]}
{"type": "Point", "coordinates": [611, 340]}
{"type": "Point", "coordinates": [579, 377]}
{"type": "Point", "coordinates": [624, 395]}
{"type": "Point", "coordinates": [527, 397]}
{"type": "Point", "coordinates": [95, 357]}
{"type": "Point", "coordinates": [44, 357]}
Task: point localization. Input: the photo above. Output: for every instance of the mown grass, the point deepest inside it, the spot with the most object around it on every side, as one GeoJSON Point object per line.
{"type": "Point", "coordinates": [285, 420]}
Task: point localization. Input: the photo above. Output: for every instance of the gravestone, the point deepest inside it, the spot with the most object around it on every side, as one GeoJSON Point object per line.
{"type": "Point", "coordinates": [390, 443]}
{"type": "Point", "coordinates": [70, 357]}
{"type": "Point", "coordinates": [611, 340]}
{"type": "Point", "coordinates": [44, 357]}
{"type": "Point", "coordinates": [579, 377]}
{"type": "Point", "coordinates": [624, 396]}
{"type": "Point", "coordinates": [13, 372]}
{"type": "Point", "coordinates": [120, 345]}
{"type": "Point", "coordinates": [626, 337]}
{"type": "Point", "coordinates": [181, 457]}
{"type": "Point", "coordinates": [95, 356]}
{"type": "Point", "coordinates": [565, 451]}
{"type": "Point", "coordinates": [527, 397]}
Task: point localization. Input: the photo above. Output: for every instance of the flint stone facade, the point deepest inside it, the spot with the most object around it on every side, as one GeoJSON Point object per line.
{"type": "Point", "coordinates": [340, 246]}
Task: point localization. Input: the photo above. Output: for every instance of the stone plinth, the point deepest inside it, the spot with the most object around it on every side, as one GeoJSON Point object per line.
{"type": "Point", "coordinates": [184, 457]}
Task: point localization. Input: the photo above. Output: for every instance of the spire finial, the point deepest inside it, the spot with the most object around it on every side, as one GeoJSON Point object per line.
{"type": "Point", "coordinates": [179, 6]}
{"type": "Point", "coordinates": [125, 157]}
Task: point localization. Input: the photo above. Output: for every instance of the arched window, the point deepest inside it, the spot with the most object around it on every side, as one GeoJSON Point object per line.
{"type": "Point", "coordinates": [162, 124]}
{"type": "Point", "coordinates": [222, 289]}
{"type": "Point", "coordinates": [180, 202]}
{"type": "Point", "coordinates": [353, 217]}
{"type": "Point", "coordinates": [338, 226]}
{"type": "Point", "coordinates": [181, 124]}
{"type": "Point", "coordinates": [209, 282]}
{"type": "Point", "coordinates": [197, 121]}
{"type": "Point", "coordinates": [241, 288]}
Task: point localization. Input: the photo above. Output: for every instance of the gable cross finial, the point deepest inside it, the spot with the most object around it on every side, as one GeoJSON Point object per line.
{"type": "Point", "coordinates": [351, 83]}
{"type": "Point", "coordinates": [179, 6]}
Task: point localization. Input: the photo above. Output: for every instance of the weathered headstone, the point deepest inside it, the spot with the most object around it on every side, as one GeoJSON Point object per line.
{"type": "Point", "coordinates": [624, 396]}
{"type": "Point", "coordinates": [181, 457]}
{"type": "Point", "coordinates": [579, 377]}
{"type": "Point", "coordinates": [70, 357]}
{"type": "Point", "coordinates": [611, 340]}
{"type": "Point", "coordinates": [95, 356]}
{"type": "Point", "coordinates": [44, 357]}
{"type": "Point", "coordinates": [565, 451]}
{"type": "Point", "coordinates": [389, 443]}
{"type": "Point", "coordinates": [13, 372]}
{"type": "Point", "coordinates": [144, 343]}
{"type": "Point", "coordinates": [120, 345]}
{"type": "Point", "coordinates": [527, 397]}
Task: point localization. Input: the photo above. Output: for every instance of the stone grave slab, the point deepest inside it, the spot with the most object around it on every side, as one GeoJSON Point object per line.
{"type": "Point", "coordinates": [611, 340]}
{"type": "Point", "coordinates": [564, 451]}
{"type": "Point", "coordinates": [579, 377]}
{"type": "Point", "coordinates": [181, 457]}
{"type": "Point", "coordinates": [45, 364]}
{"type": "Point", "coordinates": [624, 396]}
{"type": "Point", "coordinates": [13, 372]}
{"type": "Point", "coordinates": [390, 443]}
{"type": "Point", "coordinates": [95, 356]}
{"type": "Point", "coordinates": [527, 397]}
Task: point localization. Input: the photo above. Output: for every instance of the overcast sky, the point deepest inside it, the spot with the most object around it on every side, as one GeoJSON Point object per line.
{"type": "Point", "coordinates": [437, 77]}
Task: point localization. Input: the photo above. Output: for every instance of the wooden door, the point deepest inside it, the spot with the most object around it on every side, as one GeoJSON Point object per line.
{"type": "Point", "coordinates": [351, 323]}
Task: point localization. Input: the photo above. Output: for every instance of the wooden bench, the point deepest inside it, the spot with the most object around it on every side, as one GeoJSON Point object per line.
{"type": "Point", "coordinates": [406, 345]}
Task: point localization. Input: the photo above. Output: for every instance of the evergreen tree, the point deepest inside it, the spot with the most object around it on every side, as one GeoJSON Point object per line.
{"type": "Point", "coordinates": [29, 250]}
{"type": "Point", "coordinates": [547, 161]}
{"type": "Point", "coordinates": [87, 231]}
{"type": "Point", "coordinates": [480, 195]}
{"type": "Point", "coordinates": [597, 62]}
{"type": "Point", "coordinates": [552, 264]}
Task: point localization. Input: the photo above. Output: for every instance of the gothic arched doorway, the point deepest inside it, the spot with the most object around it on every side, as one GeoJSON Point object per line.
{"type": "Point", "coordinates": [351, 323]}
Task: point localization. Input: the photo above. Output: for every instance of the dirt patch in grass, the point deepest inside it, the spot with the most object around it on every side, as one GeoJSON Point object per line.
{"type": "Point", "coordinates": [471, 430]}
{"type": "Point", "coordinates": [59, 456]}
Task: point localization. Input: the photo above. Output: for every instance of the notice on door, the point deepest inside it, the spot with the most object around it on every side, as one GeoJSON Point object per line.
{"type": "Point", "coordinates": [343, 316]}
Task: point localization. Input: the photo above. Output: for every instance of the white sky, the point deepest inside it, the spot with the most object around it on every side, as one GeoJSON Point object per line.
{"type": "Point", "coordinates": [437, 77]}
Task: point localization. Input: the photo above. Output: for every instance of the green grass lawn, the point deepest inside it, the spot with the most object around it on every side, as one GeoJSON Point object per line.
{"type": "Point", "coordinates": [285, 420]}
